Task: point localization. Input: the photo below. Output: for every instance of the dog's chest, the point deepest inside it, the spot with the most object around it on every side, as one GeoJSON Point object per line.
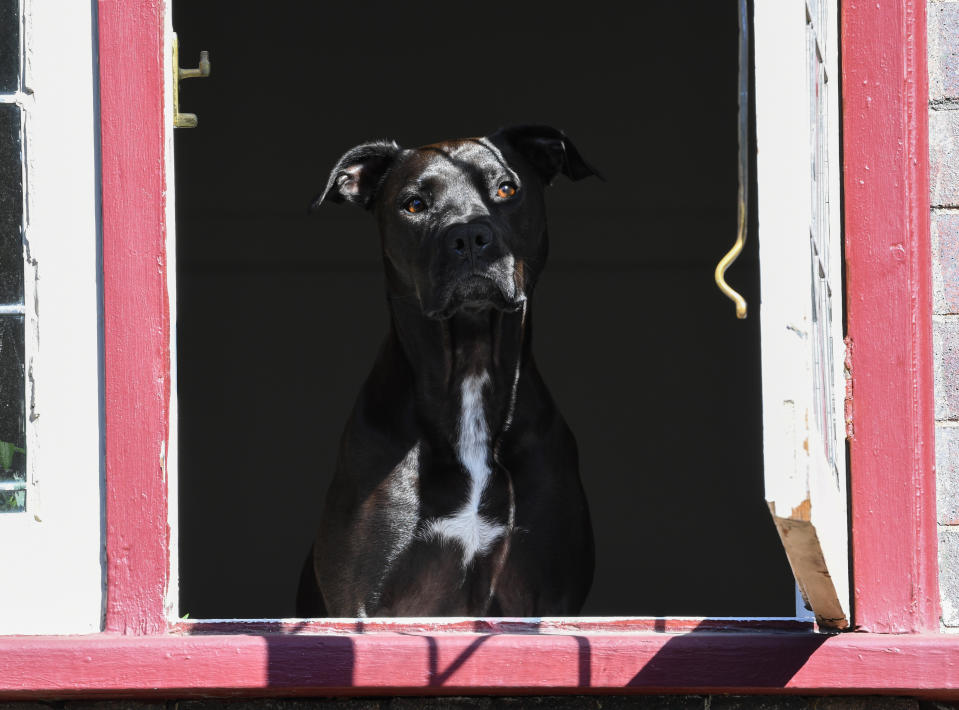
{"type": "Point", "coordinates": [473, 527]}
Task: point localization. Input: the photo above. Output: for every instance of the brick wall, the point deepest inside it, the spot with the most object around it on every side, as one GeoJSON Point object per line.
{"type": "Point", "coordinates": [943, 33]}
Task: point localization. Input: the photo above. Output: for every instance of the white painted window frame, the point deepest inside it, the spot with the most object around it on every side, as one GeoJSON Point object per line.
{"type": "Point", "coordinates": [171, 74]}
{"type": "Point", "coordinates": [51, 555]}
{"type": "Point", "coordinates": [805, 486]}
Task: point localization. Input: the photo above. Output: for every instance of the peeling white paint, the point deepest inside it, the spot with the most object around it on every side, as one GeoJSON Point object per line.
{"type": "Point", "coordinates": [797, 465]}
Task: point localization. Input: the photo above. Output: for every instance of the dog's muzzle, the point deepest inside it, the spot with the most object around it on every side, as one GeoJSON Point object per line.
{"type": "Point", "coordinates": [476, 290]}
{"type": "Point", "coordinates": [473, 271]}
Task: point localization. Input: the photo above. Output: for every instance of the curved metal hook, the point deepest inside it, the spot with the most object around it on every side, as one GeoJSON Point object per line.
{"type": "Point", "coordinates": [727, 260]}
{"type": "Point", "coordinates": [732, 254]}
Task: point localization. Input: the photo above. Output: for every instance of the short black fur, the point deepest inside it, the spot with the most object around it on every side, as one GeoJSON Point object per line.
{"type": "Point", "coordinates": [461, 270]}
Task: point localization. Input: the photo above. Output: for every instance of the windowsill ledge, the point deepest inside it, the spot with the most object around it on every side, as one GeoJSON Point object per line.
{"type": "Point", "coordinates": [389, 662]}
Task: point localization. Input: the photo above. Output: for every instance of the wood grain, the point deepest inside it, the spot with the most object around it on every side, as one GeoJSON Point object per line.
{"type": "Point", "coordinates": [889, 314]}
{"type": "Point", "coordinates": [136, 317]}
{"type": "Point", "coordinates": [384, 663]}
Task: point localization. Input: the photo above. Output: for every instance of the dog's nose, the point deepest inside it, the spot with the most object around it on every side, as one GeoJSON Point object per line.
{"type": "Point", "coordinates": [470, 238]}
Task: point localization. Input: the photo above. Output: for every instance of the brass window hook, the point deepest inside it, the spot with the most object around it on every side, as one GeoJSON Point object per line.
{"type": "Point", "coordinates": [732, 254]}
{"type": "Point", "coordinates": [186, 120]}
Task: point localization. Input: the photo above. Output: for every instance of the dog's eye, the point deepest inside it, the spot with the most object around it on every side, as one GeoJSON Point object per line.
{"type": "Point", "coordinates": [506, 190]}
{"type": "Point", "coordinates": [414, 204]}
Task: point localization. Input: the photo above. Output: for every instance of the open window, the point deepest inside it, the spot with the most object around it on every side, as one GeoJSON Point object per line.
{"type": "Point", "coordinates": [280, 314]}
{"type": "Point", "coordinates": [144, 651]}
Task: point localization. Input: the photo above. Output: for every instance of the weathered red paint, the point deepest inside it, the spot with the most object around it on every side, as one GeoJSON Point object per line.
{"type": "Point", "coordinates": [382, 663]}
{"type": "Point", "coordinates": [892, 487]}
{"type": "Point", "coordinates": [886, 179]}
{"type": "Point", "coordinates": [136, 317]}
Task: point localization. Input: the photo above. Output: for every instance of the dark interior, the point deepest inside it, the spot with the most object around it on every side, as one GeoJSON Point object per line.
{"type": "Point", "coordinates": [280, 312]}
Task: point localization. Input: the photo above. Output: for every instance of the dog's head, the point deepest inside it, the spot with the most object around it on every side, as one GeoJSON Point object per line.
{"type": "Point", "coordinates": [463, 223]}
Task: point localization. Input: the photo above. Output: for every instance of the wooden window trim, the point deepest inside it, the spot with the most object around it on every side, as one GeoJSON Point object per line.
{"type": "Point", "coordinates": [898, 648]}
{"type": "Point", "coordinates": [167, 665]}
{"type": "Point", "coordinates": [885, 95]}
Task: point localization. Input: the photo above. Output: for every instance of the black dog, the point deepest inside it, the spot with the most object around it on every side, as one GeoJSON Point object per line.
{"type": "Point", "coordinates": [457, 489]}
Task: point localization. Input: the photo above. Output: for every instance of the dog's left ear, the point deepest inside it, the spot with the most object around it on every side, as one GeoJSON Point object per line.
{"type": "Point", "coordinates": [358, 174]}
{"type": "Point", "coordinates": [548, 150]}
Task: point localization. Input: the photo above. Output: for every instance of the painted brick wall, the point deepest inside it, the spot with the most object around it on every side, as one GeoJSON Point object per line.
{"type": "Point", "coordinates": [943, 34]}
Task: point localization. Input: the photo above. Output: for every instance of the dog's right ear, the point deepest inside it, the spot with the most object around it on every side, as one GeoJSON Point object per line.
{"type": "Point", "coordinates": [358, 174]}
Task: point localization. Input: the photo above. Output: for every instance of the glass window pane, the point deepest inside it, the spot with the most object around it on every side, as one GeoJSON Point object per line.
{"type": "Point", "coordinates": [9, 45]}
{"type": "Point", "coordinates": [11, 206]}
{"type": "Point", "coordinates": [13, 455]}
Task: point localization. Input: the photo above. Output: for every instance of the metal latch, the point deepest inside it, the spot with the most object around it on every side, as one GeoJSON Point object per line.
{"type": "Point", "coordinates": [186, 120]}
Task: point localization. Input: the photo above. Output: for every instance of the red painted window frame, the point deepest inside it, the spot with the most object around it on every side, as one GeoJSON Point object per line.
{"type": "Point", "coordinates": [897, 648]}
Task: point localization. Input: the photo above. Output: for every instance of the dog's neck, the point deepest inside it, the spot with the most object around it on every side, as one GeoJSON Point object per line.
{"type": "Point", "coordinates": [481, 352]}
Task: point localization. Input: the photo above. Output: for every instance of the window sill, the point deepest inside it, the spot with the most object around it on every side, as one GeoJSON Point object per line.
{"type": "Point", "coordinates": [389, 662]}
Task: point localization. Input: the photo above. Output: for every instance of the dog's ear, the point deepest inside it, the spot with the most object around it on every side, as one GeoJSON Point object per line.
{"type": "Point", "coordinates": [548, 150]}
{"type": "Point", "coordinates": [358, 174]}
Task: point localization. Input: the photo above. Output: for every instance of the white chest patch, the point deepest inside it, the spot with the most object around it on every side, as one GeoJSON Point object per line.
{"type": "Point", "coordinates": [467, 527]}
